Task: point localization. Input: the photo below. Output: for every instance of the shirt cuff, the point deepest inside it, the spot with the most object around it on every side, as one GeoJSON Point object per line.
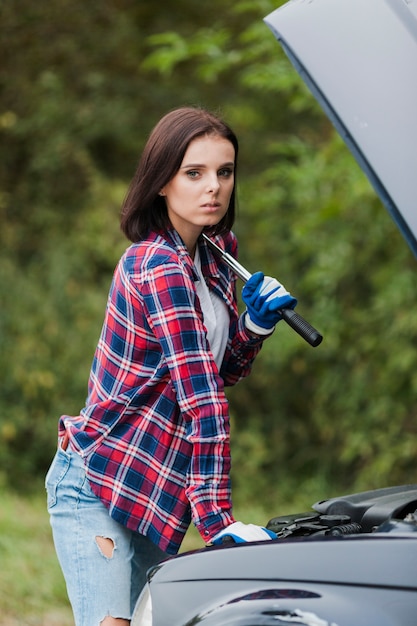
{"type": "Point", "coordinates": [211, 527]}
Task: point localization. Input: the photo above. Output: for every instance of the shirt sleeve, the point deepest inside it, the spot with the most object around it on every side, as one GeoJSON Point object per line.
{"type": "Point", "coordinates": [241, 351]}
{"type": "Point", "coordinates": [169, 301]}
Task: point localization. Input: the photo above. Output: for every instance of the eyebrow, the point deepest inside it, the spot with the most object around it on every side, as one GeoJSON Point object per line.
{"type": "Point", "coordinates": [202, 165]}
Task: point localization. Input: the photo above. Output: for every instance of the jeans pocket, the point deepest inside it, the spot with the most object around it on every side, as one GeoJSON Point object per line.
{"type": "Point", "coordinates": [55, 475]}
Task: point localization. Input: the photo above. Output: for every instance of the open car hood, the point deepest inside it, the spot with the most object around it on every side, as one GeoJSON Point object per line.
{"type": "Point", "coordinates": [359, 59]}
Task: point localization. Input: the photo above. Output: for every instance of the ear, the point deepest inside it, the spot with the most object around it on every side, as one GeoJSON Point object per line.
{"type": "Point", "coordinates": [162, 193]}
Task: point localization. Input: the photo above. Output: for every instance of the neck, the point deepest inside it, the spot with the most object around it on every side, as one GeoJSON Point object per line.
{"type": "Point", "coordinates": [192, 250]}
{"type": "Point", "coordinates": [190, 243]}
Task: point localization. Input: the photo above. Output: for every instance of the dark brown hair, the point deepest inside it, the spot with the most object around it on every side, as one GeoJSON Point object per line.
{"type": "Point", "coordinates": [144, 209]}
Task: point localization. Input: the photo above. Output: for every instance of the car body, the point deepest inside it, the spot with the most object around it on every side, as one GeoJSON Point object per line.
{"type": "Point", "coordinates": [350, 561]}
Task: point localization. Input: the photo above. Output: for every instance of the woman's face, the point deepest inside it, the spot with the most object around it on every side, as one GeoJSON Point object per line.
{"type": "Point", "coordinates": [199, 194]}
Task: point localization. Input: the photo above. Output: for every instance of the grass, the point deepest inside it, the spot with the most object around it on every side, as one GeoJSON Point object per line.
{"type": "Point", "coordinates": [32, 588]}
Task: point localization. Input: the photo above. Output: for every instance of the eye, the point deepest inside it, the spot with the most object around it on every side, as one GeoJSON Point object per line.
{"type": "Point", "coordinates": [226, 172]}
{"type": "Point", "coordinates": [193, 173]}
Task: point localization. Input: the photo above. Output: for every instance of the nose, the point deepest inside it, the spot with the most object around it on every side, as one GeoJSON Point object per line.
{"type": "Point", "coordinates": [213, 184]}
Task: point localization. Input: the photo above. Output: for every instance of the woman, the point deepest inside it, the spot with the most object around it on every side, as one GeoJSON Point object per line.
{"type": "Point", "coordinates": [150, 450]}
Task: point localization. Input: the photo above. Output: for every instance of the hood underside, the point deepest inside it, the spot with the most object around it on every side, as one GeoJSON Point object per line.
{"type": "Point", "coordinates": [359, 59]}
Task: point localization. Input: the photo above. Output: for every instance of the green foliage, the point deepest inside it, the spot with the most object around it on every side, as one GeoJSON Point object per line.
{"type": "Point", "coordinates": [73, 117]}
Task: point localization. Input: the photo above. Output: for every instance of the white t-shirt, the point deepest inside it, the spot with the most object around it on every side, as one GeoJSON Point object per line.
{"type": "Point", "coordinates": [215, 314]}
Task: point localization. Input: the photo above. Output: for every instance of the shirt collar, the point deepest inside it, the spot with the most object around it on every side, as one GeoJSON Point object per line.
{"type": "Point", "coordinates": [174, 239]}
{"type": "Point", "coordinates": [217, 280]}
{"type": "Point", "coordinates": [217, 275]}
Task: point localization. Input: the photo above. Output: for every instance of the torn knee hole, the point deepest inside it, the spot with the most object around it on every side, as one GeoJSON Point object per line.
{"type": "Point", "coordinates": [106, 546]}
{"type": "Point", "coordinates": [112, 621]}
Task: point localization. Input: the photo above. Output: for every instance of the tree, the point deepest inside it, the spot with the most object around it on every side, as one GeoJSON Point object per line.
{"type": "Point", "coordinates": [75, 114]}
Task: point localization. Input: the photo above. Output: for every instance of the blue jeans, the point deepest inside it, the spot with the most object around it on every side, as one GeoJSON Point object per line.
{"type": "Point", "coordinates": [104, 578]}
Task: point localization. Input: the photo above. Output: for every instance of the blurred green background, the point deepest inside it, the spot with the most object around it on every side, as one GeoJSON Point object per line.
{"type": "Point", "coordinates": [81, 86]}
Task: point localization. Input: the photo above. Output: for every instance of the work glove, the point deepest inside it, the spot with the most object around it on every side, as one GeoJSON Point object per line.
{"type": "Point", "coordinates": [243, 533]}
{"type": "Point", "coordinates": [264, 298]}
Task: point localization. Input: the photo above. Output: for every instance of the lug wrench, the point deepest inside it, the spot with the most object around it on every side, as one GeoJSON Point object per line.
{"type": "Point", "coordinates": [293, 319]}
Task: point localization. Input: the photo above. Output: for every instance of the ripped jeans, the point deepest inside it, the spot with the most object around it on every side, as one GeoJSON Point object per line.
{"type": "Point", "coordinates": [104, 564]}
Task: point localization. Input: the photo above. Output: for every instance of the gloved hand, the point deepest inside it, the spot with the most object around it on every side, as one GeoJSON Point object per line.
{"type": "Point", "coordinates": [243, 533]}
{"type": "Point", "coordinates": [264, 298]}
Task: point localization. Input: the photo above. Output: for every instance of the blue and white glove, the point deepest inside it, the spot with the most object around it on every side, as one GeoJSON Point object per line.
{"type": "Point", "coordinates": [243, 533]}
{"type": "Point", "coordinates": [264, 298]}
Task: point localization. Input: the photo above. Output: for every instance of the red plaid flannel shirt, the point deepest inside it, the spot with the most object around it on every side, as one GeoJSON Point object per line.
{"type": "Point", "coordinates": [154, 433]}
